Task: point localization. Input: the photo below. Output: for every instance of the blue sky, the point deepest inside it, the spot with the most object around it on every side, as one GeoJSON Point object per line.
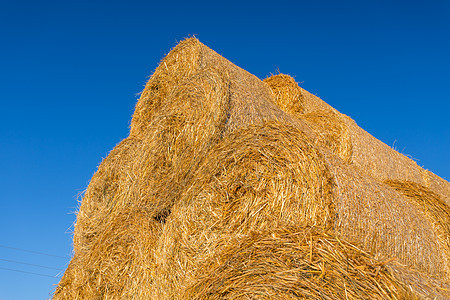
{"type": "Point", "coordinates": [71, 72]}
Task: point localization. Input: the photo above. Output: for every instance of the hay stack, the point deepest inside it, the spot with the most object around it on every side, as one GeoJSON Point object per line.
{"type": "Point", "coordinates": [232, 188]}
{"type": "Point", "coordinates": [341, 134]}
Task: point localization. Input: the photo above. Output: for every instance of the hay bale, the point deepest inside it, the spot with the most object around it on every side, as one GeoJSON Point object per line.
{"type": "Point", "coordinates": [216, 180]}
{"type": "Point", "coordinates": [238, 191]}
{"type": "Point", "coordinates": [142, 177]}
{"type": "Point", "coordinates": [182, 62]}
{"type": "Point", "coordinates": [300, 264]}
{"type": "Point", "coordinates": [287, 94]}
{"type": "Point", "coordinates": [423, 286]}
{"type": "Point", "coordinates": [268, 177]}
{"type": "Point", "coordinates": [432, 206]}
{"type": "Point", "coordinates": [333, 132]}
{"type": "Point", "coordinates": [193, 99]}
{"type": "Point", "coordinates": [119, 263]}
{"type": "Point", "coordinates": [352, 143]}
{"type": "Point", "coordinates": [384, 222]}
{"type": "Point", "coordinates": [327, 123]}
{"type": "Point", "coordinates": [437, 184]}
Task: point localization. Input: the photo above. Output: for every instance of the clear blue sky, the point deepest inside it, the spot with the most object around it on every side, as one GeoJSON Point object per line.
{"type": "Point", "coordinates": [70, 72]}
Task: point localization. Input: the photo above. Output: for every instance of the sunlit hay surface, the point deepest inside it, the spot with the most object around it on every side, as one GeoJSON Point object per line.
{"type": "Point", "coordinates": [332, 131]}
{"type": "Point", "coordinates": [258, 178]}
{"type": "Point", "coordinates": [436, 210]}
{"type": "Point", "coordinates": [119, 264]}
{"type": "Point", "coordinates": [382, 221]}
{"type": "Point", "coordinates": [253, 184]}
{"type": "Point", "coordinates": [287, 93]}
{"type": "Point", "coordinates": [183, 62]}
{"type": "Point", "coordinates": [423, 286]}
{"type": "Point", "coordinates": [437, 185]}
{"type": "Point", "coordinates": [300, 263]}
{"type": "Point", "coordinates": [214, 171]}
{"type": "Point", "coordinates": [270, 177]}
{"type": "Point", "coordinates": [142, 177]}
{"type": "Point", "coordinates": [340, 134]}
{"type": "Point", "coordinates": [328, 124]}
{"type": "Point", "coordinates": [189, 123]}
{"type": "Point", "coordinates": [182, 113]}
{"type": "Point", "coordinates": [378, 160]}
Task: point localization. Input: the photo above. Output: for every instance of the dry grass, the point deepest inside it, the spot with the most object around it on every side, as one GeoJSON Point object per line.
{"type": "Point", "coordinates": [182, 63]}
{"type": "Point", "coordinates": [228, 187]}
{"type": "Point", "coordinates": [300, 263]}
{"type": "Point", "coordinates": [327, 123]}
{"type": "Point", "coordinates": [383, 222]}
{"type": "Point", "coordinates": [238, 191]}
{"type": "Point", "coordinates": [435, 209]}
{"type": "Point", "coordinates": [287, 93]}
{"type": "Point", "coordinates": [270, 177]}
{"type": "Point", "coordinates": [345, 138]}
{"type": "Point", "coordinates": [333, 132]}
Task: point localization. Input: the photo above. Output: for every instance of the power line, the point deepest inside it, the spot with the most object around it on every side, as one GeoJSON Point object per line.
{"type": "Point", "coordinates": [19, 271]}
{"type": "Point", "coordinates": [35, 252]}
{"type": "Point", "coordinates": [28, 264]}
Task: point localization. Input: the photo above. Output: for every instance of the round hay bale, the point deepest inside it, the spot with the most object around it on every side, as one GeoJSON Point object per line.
{"type": "Point", "coordinates": [182, 62]}
{"type": "Point", "coordinates": [119, 264]}
{"type": "Point", "coordinates": [433, 207]}
{"type": "Point", "coordinates": [255, 179]}
{"type": "Point", "coordinates": [302, 263]}
{"type": "Point", "coordinates": [126, 204]}
{"type": "Point", "coordinates": [332, 131]}
{"type": "Point", "coordinates": [103, 193]}
{"type": "Point", "coordinates": [218, 193]}
{"type": "Point", "coordinates": [384, 222]}
{"type": "Point", "coordinates": [328, 124]}
{"type": "Point", "coordinates": [287, 93]}
{"type": "Point", "coordinates": [188, 124]}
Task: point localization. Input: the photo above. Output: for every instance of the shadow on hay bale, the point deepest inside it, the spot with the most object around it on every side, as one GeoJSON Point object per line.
{"type": "Point", "coordinates": [232, 188]}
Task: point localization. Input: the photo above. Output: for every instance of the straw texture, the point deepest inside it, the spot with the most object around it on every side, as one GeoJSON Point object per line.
{"type": "Point", "coordinates": [229, 187]}
{"type": "Point", "coordinates": [352, 143]}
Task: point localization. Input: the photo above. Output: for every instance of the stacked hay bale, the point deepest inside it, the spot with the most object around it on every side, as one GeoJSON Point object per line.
{"type": "Point", "coordinates": [232, 188]}
{"type": "Point", "coordinates": [340, 134]}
